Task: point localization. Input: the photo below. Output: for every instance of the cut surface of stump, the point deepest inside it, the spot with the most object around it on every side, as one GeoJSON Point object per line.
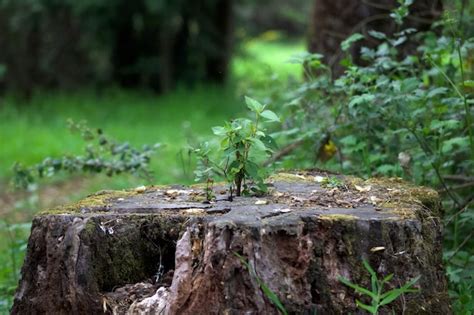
{"type": "Point", "coordinates": [163, 250]}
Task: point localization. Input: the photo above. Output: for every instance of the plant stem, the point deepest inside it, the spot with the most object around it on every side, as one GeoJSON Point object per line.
{"type": "Point", "coordinates": [239, 176]}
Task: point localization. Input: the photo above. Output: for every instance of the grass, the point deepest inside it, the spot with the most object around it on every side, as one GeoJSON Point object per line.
{"type": "Point", "coordinates": [33, 132]}
{"type": "Point", "coordinates": [266, 54]}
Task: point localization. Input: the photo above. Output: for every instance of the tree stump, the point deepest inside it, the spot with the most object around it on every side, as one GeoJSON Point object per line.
{"type": "Point", "coordinates": [164, 250]}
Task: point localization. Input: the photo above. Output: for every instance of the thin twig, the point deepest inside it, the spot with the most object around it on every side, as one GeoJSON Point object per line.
{"type": "Point", "coordinates": [462, 208]}
{"type": "Point", "coordinates": [464, 242]}
{"type": "Point", "coordinates": [461, 178]}
{"type": "Point", "coordinates": [284, 152]}
{"type": "Point", "coordinates": [458, 187]}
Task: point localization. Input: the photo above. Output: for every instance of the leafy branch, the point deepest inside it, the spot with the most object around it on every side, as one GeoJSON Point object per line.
{"type": "Point", "coordinates": [102, 155]}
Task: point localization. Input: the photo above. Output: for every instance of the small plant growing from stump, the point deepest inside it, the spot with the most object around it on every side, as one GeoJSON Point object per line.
{"type": "Point", "coordinates": [243, 142]}
{"type": "Point", "coordinates": [205, 169]}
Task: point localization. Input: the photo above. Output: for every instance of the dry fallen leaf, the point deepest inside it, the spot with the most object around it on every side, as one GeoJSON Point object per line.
{"type": "Point", "coordinates": [363, 188]}
{"type": "Point", "coordinates": [375, 199]}
{"type": "Point", "coordinates": [319, 179]}
{"type": "Point", "coordinates": [140, 189]}
{"type": "Point", "coordinates": [197, 247]}
{"type": "Point", "coordinates": [377, 249]}
{"type": "Point", "coordinates": [172, 193]}
{"type": "Point", "coordinates": [194, 211]}
{"type": "Point", "coordinates": [285, 210]}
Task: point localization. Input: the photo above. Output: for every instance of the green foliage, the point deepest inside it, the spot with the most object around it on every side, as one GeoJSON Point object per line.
{"type": "Point", "coordinates": [395, 114]}
{"type": "Point", "coordinates": [15, 236]}
{"type": "Point", "coordinates": [204, 169]}
{"type": "Point", "coordinates": [101, 155]}
{"type": "Point", "coordinates": [332, 182]}
{"type": "Point", "coordinates": [463, 298]}
{"type": "Point", "coordinates": [376, 293]}
{"type": "Point", "coordinates": [243, 143]}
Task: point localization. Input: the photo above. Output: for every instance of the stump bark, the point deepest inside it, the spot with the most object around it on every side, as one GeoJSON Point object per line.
{"type": "Point", "coordinates": [162, 250]}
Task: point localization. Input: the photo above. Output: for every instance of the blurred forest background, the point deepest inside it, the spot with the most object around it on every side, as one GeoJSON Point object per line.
{"type": "Point", "coordinates": [371, 88]}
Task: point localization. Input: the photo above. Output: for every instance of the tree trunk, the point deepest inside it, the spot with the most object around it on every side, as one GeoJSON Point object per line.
{"type": "Point", "coordinates": [165, 251]}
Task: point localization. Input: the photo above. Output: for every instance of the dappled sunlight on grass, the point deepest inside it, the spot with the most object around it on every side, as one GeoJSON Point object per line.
{"type": "Point", "coordinates": [263, 56]}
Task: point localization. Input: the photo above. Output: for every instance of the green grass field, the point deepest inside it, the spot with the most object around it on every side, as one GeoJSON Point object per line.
{"type": "Point", "coordinates": [31, 131]}
{"type": "Point", "coordinates": [38, 130]}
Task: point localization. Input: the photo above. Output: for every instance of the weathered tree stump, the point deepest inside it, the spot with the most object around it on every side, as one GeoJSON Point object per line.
{"type": "Point", "coordinates": [161, 250]}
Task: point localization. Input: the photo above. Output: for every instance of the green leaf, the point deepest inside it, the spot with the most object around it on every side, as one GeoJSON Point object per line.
{"type": "Point", "coordinates": [219, 131]}
{"type": "Point", "coordinates": [448, 124]}
{"type": "Point", "coordinates": [390, 296]}
{"type": "Point", "coordinates": [252, 169]}
{"type": "Point", "coordinates": [270, 143]}
{"type": "Point", "coordinates": [254, 105]}
{"type": "Point", "coordinates": [378, 35]}
{"type": "Point", "coordinates": [469, 83]}
{"type": "Point", "coordinates": [357, 288]}
{"type": "Point", "coordinates": [453, 143]}
{"type": "Point", "coordinates": [398, 41]}
{"type": "Point", "coordinates": [270, 116]}
{"type": "Point", "coordinates": [406, 287]}
{"type": "Point", "coordinates": [373, 275]}
{"type": "Point", "coordinates": [388, 278]}
{"type": "Point", "coordinates": [349, 140]}
{"type": "Point", "coordinates": [347, 43]}
{"type": "Point", "coordinates": [436, 92]}
{"type": "Point", "coordinates": [272, 297]}
{"type": "Point", "coordinates": [409, 84]}
{"type": "Point", "coordinates": [260, 133]}
{"type": "Point", "coordinates": [370, 309]}
{"type": "Point", "coordinates": [259, 145]}
{"type": "Point", "coordinates": [386, 169]}
{"type": "Point", "coordinates": [360, 99]}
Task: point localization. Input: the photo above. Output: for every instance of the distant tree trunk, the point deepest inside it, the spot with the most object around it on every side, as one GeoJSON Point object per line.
{"type": "Point", "coordinates": [332, 21]}
{"type": "Point", "coordinates": [217, 62]}
{"type": "Point", "coordinates": [41, 47]}
{"type": "Point", "coordinates": [125, 54]}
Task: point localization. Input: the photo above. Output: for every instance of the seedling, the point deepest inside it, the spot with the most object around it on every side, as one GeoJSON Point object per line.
{"type": "Point", "coordinates": [332, 182]}
{"type": "Point", "coordinates": [204, 170]}
{"type": "Point", "coordinates": [243, 143]}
